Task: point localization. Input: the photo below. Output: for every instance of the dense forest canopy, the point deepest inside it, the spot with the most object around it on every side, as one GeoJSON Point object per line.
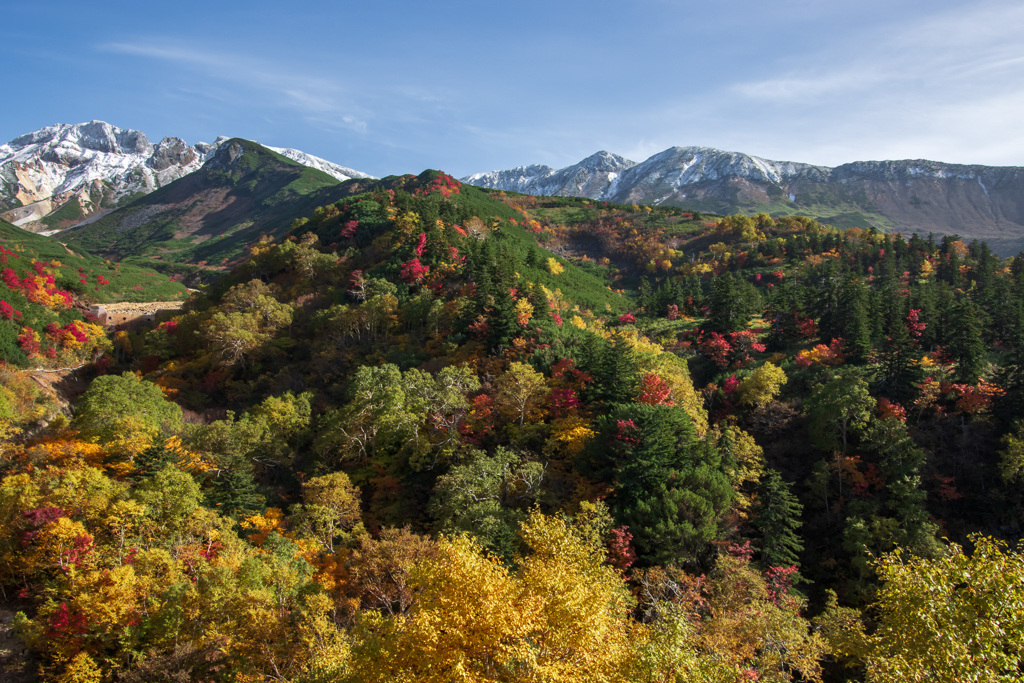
{"type": "Point", "coordinates": [443, 434]}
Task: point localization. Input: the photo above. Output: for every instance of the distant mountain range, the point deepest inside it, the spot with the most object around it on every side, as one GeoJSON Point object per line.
{"type": "Point", "coordinates": [64, 174]}
{"type": "Point", "coordinates": [70, 175]}
{"type": "Point", "coordinates": [981, 202]}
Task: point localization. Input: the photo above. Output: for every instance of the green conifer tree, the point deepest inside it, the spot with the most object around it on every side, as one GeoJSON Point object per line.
{"type": "Point", "coordinates": [671, 489]}
{"type": "Point", "coordinates": [777, 518]}
{"type": "Point", "coordinates": [965, 344]}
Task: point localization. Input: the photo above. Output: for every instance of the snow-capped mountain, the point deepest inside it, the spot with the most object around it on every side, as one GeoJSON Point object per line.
{"type": "Point", "coordinates": [665, 175]}
{"type": "Point", "coordinates": [60, 175]}
{"type": "Point", "coordinates": [591, 177]}
{"type": "Point", "coordinates": [342, 173]}
{"type": "Point", "coordinates": [608, 176]}
{"type": "Point", "coordinates": [985, 202]}
{"type": "Point", "coordinates": [86, 168]}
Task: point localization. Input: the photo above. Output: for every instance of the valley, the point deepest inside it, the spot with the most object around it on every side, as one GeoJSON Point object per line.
{"type": "Point", "coordinates": [401, 427]}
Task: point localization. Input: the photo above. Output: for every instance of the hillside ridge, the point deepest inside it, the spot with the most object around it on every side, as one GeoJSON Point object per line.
{"type": "Point", "coordinates": [910, 196]}
{"type": "Point", "coordinates": [65, 174]}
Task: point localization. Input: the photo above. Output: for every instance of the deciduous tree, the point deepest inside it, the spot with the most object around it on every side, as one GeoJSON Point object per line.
{"type": "Point", "coordinates": [521, 392]}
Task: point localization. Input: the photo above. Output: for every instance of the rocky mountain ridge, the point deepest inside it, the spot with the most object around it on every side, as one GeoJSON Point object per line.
{"type": "Point", "coordinates": [342, 173]}
{"type": "Point", "coordinates": [64, 174]}
{"type": "Point", "coordinates": [921, 196]}
{"type": "Point", "coordinates": [243, 191]}
{"type": "Point", "coordinates": [85, 169]}
{"type": "Point", "coordinates": [589, 178]}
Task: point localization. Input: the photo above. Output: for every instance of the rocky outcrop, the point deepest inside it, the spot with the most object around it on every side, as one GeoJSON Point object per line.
{"type": "Point", "coordinates": [62, 175]}
{"type": "Point", "coordinates": [591, 177]}
{"type": "Point", "coordinates": [82, 169]}
{"type": "Point", "coordinates": [16, 661]}
{"type": "Point", "coordinates": [131, 314]}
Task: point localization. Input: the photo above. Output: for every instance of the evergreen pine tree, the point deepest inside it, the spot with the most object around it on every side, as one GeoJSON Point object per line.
{"type": "Point", "coordinates": [854, 325]}
{"type": "Point", "coordinates": [949, 262]}
{"type": "Point", "coordinates": [897, 372]}
{"type": "Point", "coordinates": [152, 460]}
{"type": "Point", "coordinates": [646, 297]}
{"type": "Point", "coordinates": [732, 303]}
{"type": "Point", "coordinates": [923, 298]}
{"type": "Point", "coordinates": [532, 257]}
{"type": "Point", "coordinates": [670, 488]}
{"type": "Point", "coordinates": [777, 518]}
{"type": "Point", "coordinates": [502, 319]}
{"type": "Point", "coordinates": [830, 322]}
{"type": "Point", "coordinates": [900, 461]}
{"type": "Point", "coordinates": [1011, 372]}
{"type": "Point", "coordinates": [616, 372]}
{"type": "Point", "coordinates": [234, 492]}
{"type": "Point", "coordinates": [964, 343]}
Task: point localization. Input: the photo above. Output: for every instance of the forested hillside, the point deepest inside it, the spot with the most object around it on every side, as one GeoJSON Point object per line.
{"type": "Point", "coordinates": [46, 292]}
{"type": "Point", "coordinates": [437, 433]}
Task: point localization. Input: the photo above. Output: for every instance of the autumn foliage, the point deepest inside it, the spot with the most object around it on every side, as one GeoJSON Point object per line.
{"type": "Point", "coordinates": [438, 433]}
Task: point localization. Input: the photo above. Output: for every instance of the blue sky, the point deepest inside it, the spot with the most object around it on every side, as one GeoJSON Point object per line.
{"type": "Point", "coordinates": [395, 87]}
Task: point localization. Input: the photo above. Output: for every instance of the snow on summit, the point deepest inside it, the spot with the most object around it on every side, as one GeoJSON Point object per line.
{"type": "Point", "coordinates": [85, 169]}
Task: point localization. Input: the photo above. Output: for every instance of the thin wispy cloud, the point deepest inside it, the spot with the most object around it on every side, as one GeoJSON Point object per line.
{"type": "Point", "coordinates": [466, 91]}
{"type": "Point", "coordinates": [938, 87]}
{"type": "Point", "coordinates": [813, 84]}
{"type": "Point", "coordinates": [291, 86]}
{"type": "Point", "coordinates": [947, 50]}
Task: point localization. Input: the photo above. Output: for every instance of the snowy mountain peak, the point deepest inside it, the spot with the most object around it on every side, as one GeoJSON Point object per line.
{"type": "Point", "coordinates": [909, 195]}
{"type": "Point", "coordinates": [342, 173]}
{"type": "Point", "coordinates": [607, 162]}
{"type": "Point", "coordinates": [85, 169]}
{"type": "Point", "coordinates": [595, 174]}
{"type": "Point", "coordinates": [518, 179]}
{"type": "Point", "coordinates": [610, 177]}
{"type": "Point", "coordinates": [98, 136]}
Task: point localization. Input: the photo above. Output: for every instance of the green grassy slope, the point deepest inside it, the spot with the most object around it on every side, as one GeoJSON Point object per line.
{"type": "Point", "coordinates": [126, 282]}
{"type": "Point", "coordinates": [511, 242]}
{"type": "Point", "coordinates": [45, 288]}
{"type": "Point", "coordinates": [209, 217]}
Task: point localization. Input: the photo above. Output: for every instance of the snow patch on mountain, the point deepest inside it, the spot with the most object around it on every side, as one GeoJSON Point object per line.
{"type": "Point", "coordinates": [342, 173]}
{"type": "Point", "coordinates": [676, 167]}
{"type": "Point", "coordinates": [91, 167]}
{"type": "Point", "coordinates": [593, 175]}
{"type": "Point", "coordinates": [518, 179]}
{"type": "Point", "coordinates": [95, 164]}
{"type": "Point", "coordinates": [608, 177]}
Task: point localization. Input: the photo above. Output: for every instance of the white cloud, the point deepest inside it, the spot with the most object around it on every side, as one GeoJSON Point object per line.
{"type": "Point", "coordinates": [947, 87]}
{"type": "Point", "coordinates": [952, 49]}
{"type": "Point", "coordinates": [280, 84]}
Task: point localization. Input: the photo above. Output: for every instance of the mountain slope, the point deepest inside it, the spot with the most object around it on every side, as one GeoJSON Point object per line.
{"type": "Point", "coordinates": [977, 202]}
{"type": "Point", "coordinates": [46, 290]}
{"type": "Point", "coordinates": [592, 177]}
{"type": "Point", "coordinates": [87, 277]}
{"type": "Point", "coordinates": [62, 175]}
{"type": "Point", "coordinates": [56, 176]}
{"type": "Point", "coordinates": [341, 173]}
{"type": "Point", "coordinates": [241, 192]}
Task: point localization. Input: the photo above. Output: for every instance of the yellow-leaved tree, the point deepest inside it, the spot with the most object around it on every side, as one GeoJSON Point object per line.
{"type": "Point", "coordinates": [957, 617]}
{"type": "Point", "coordinates": [562, 615]}
{"type": "Point", "coordinates": [652, 358]}
{"type": "Point", "coordinates": [762, 386]}
{"type": "Point", "coordinates": [521, 392]}
{"type": "Point", "coordinates": [582, 630]}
